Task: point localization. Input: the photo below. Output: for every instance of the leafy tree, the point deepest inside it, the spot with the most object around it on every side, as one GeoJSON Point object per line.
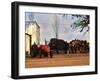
{"type": "Point", "coordinates": [81, 22]}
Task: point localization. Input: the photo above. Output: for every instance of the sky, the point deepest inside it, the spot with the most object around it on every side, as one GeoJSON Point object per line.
{"type": "Point", "coordinates": [49, 22]}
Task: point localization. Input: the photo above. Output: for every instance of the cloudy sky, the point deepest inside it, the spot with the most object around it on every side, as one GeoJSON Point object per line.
{"type": "Point", "coordinates": [48, 23]}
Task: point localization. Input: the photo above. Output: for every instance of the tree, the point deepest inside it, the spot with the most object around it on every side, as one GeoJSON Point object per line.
{"type": "Point", "coordinates": [55, 25]}
{"type": "Point", "coordinates": [31, 17]}
{"type": "Point", "coordinates": [81, 22]}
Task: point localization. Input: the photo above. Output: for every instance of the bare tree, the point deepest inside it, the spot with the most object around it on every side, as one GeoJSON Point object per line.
{"type": "Point", "coordinates": [31, 17]}
{"type": "Point", "coordinates": [55, 25]}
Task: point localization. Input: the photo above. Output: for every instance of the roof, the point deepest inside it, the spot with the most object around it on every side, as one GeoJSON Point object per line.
{"type": "Point", "coordinates": [28, 23]}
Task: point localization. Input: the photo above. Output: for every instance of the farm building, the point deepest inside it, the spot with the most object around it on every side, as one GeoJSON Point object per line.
{"type": "Point", "coordinates": [32, 35]}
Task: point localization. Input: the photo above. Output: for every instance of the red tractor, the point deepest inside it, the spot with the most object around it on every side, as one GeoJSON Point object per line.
{"type": "Point", "coordinates": [44, 50]}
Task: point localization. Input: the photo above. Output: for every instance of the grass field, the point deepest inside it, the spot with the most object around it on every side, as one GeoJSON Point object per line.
{"type": "Point", "coordinates": [58, 60]}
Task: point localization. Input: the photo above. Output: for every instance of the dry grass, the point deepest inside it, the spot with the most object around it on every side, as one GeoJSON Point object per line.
{"type": "Point", "coordinates": [58, 60]}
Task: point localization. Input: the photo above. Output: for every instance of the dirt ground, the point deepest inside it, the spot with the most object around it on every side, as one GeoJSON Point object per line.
{"type": "Point", "coordinates": [58, 60]}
